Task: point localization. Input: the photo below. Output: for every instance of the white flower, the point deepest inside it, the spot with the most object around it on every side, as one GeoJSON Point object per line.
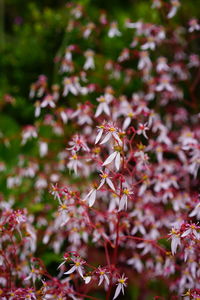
{"type": "Point", "coordinates": [102, 276]}
{"type": "Point", "coordinates": [165, 84]}
{"type": "Point", "coordinates": [76, 267]}
{"type": "Point", "coordinates": [48, 101]}
{"type": "Point", "coordinates": [112, 132]}
{"type": "Point", "coordinates": [123, 201]}
{"type": "Point", "coordinates": [176, 241]}
{"type": "Point", "coordinates": [193, 25]}
{"type": "Point", "coordinates": [144, 62]}
{"type": "Point", "coordinates": [192, 229]}
{"type": "Point", "coordinates": [74, 163]}
{"type": "Point", "coordinates": [150, 44]}
{"type": "Point", "coordinates": [34, 274]}
{"type": "Point", "coordinates": [69, 87]}
{"type": "Point", "coordinates": [162, 65]}
{"type": "Point", "coordinates": [136, 262]}
{"type": "Point", "coordinates": [120, 286]}
{"type": "Point", "coordinates": [107, 180]}
{"type": "Point", "coordinates": [88, 30]}
{"type": "Point", "coordinates": [89, 63]}
{"type": "Point", "coordinates": [28, 133]}
{"type": "Point", "coordinates": [175, 5]}
{"type": "Point", "coordinates": [113, 31]}
{"type": "Point", "coordinates": [103, 106]}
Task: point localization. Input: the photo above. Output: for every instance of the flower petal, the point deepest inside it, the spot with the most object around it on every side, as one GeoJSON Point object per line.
{"type": "Point", "coordinates": [117, 161]}
{"type": "Point", "coordinates": [110, 158]}
{"type": "Point", "coordinates": [118, 290]}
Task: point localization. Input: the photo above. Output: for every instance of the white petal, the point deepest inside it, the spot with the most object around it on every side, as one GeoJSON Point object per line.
{"type": "Point", "coordinates": [111, 185]}
{"type": "Point", "coordinates": [88, 195]}
{"type": "Point", "coordinates": [99, 110]}
{"type": "Point", "coordinates": [61, 264]}
{"type": "Point", "coordinates": [101, 183]}
{"type": "Point", "coordinates": [92, 198]}
{"type": "Point", "coordinates": [80, 270]}
{"type": "Point", "coordinates": [73, 90]}
{"type": "Point", "coordinates": [101, 280]}
{"type": "Point", "coordinates": [87, 279]}
{"type": "Point", "coordinates": [110, 158]}
{"type": "Point", "coordinates": [106, 138]}
{"type": "Point", "coordinates": [123, 202]}
{"type": "Point", "coordinates": [71, 270]}
{"type": "Point", "coordinates": [107, 279]}
{"type": "Point", "coordinates": [117, 138]}
{"type": "Point", "coordinates": [117, 292]}
{"type": "Point", "coordinates": [127, 122]}
{"type": "Point", "coordinates": [186, 232]}
{"type": "Point", "coordinates": [99, 135]}
{"type": "Point", "coordinates": [117, 161]}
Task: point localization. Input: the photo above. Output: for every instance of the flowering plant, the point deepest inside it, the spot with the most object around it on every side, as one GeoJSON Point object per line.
{"type": "Point", "coordinates": [116, 144]}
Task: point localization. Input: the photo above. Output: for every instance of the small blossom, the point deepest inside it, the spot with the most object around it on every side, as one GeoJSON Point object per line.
{"type": "Point", "coordinates": [89, 64]}
{"type": "Point", "coordinates": [103, 106]}
{"type": "Point", "coordinates": [176, 241]}
{"type": "Point", "coordinates": [142, 129]}
{"type": "Point", "coordinates": [174, 7]}
{"type": "Point", "coordinates": [106, 179]}
{"type": "Point", "coordinates": [123, 201]}
{"type": "Point", "coordinates": [78, 266]}
{"type": "Point", "coordinates": [113, 31]}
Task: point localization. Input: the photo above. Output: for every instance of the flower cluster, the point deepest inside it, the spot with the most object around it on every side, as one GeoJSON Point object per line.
{"type": "Point", "coordinates": [116, 146]}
